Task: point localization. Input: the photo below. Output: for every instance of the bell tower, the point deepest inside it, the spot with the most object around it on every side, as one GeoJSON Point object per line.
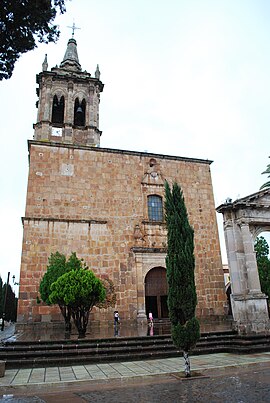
{"type": "Point", "coordinates": [68, 105]}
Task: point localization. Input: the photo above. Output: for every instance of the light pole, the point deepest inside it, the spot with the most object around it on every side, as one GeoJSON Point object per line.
{"type": "Point", "coordinates": [5, 301]}
{"type": "Point", "coordinates": [13, 280]}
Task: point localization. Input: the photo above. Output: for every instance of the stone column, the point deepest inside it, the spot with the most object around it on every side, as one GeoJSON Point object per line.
{"type": "Point", "coordinates": [47, 114]}
{"type": "Point", "coordinates": [69, 112]}
{"type": "Point", "coordinates": [236, 276]}
{"type": "Point", "coordinates": [253, 281]}
{"type": "Point", "coordinates": [249, 304]}
{"type": "Point", "coordinates": [141, 315]}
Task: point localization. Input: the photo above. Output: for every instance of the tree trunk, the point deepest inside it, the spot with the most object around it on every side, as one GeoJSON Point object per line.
{"type": "Point", "coordinates": [67, 316]}
{"type": "Point", "coordinates": [187, 364]}
{"type": "Point", "coordinates": [68, 320]}
{"type": "Point", "coordinates": [80, 316]}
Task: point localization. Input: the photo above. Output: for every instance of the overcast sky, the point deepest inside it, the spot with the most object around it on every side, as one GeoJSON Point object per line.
{"type": "Point", "coordinates": [183, 77]}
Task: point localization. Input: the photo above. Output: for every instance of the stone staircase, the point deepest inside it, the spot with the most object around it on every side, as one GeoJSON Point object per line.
{"type": "Point", "coordinates": [28, 354]}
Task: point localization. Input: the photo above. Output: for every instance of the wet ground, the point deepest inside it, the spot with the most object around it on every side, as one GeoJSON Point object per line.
{"type": "Point", "coordinates": [217, 377]}
{"type": "Point", "coordinates": [233, 385]}
{"type": "Point", "coordinates": [125, 329]}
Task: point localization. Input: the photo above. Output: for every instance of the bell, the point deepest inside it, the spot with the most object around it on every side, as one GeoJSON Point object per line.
{"type": "Point", "coordinates": [79, 110]}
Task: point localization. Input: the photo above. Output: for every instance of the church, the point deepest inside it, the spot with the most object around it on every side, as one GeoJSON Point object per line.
{"type": "Point", "coordinates": [107, 205]}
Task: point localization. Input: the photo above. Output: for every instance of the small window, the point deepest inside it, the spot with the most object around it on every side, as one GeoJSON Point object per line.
{"type": "Point", "coordinates": [155, 208]}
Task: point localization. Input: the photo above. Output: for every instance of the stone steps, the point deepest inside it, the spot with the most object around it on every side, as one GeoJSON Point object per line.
{"type": "Point", "coordinates": [29, 354]}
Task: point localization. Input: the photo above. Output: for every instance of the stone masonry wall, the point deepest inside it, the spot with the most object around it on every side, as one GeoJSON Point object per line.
{"type": "Point", "coordinates": [94, 202]}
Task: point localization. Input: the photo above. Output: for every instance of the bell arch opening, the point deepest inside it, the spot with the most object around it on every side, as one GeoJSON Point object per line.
{"type": "Point", "coordinates": [79, 112]}
{"type": "Point", "coordinates": [58, 109]}
{"type": "Point", "coordinates": [156, 293]}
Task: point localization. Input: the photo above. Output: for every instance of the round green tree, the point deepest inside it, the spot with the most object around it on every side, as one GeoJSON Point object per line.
{"type": "Point", "coordinates": [180, 263]}
{"type": "Point", "coordinates": [79, 290]}
{"type": "Point", "coordinates": [57, 266]}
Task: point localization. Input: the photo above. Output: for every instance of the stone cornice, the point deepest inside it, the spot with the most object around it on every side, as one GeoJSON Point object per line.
{"type": "Point", "coordinates": [117, 151]}
{"type": "Point", "coordinates": [161, 223]}
{"type": "Point", "coordinates": [66, 220]}
{"type": "Point", "coordinates": [255, 201]}
{"type": "Point", "coordinates": [64, 75]}
{"type": "Point", "coordinates": [136, 249]}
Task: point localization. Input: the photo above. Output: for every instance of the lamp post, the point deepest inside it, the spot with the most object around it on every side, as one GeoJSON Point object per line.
{"type": "Point", "coordinates": [5, 301]}
{"type": "Point", "coordinates": [13, 280]}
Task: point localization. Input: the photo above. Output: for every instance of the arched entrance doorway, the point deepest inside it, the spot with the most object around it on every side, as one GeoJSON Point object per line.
{"type": "Point", "coordinates": [156, 292]}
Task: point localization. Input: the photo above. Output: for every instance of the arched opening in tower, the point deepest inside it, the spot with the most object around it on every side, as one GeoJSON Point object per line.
{"type": "Point", "coordinates": [58, 108]}
{"type": "Point", "coordinates": [79, 112]}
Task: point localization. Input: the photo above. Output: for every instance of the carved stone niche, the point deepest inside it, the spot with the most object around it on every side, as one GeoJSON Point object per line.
{"type": "Point", "coordinates": [138, 235]}
{"type": "Point", "coordinates": [153, 175]}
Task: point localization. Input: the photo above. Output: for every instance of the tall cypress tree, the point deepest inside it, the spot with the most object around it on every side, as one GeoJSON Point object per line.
{"type": "Point", "coordinates": [11, 313]}
{"type": "Point", "coordinates": [180, 263]}
{"type": "Point", "coordinates": [10, 304]}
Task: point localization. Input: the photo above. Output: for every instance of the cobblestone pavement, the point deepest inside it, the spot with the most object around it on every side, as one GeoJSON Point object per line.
{"type": "Point", "coordinates": [235, 388]}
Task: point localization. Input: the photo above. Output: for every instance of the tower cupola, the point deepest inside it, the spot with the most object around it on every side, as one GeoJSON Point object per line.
{"type": "Point", "coordinates": [68, 105]}
{"type": "Point", "coordinates": [71, 59]}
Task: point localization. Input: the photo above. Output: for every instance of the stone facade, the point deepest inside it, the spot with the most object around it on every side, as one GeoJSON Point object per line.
{"type": "Point", "coordinates": [94, 201]}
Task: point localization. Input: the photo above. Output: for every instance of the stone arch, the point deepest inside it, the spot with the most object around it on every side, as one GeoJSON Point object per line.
{"type": "Point", "coordinates": [257, 230]}
{"type": "Point", "coordinates": [156, 292]}
{"type": "Point", "coordinates": [244, 219]}
{"type": "Point", "coordinates": [60, 96]}
{"type": "Point", "coordinates": [144, 261]}
{"type": "Point", "coordinates": [58, 109]}
{"type": "Point", "coordinates": [79, 112]}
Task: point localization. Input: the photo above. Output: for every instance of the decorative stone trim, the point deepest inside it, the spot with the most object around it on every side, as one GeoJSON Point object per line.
{"type": "Point", "coordinates": [148, 250]}
{"type": "Point", "coordinates": [68, 220]}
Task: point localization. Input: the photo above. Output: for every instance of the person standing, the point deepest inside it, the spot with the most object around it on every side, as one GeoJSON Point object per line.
{"type": "Point", "coordinates": [150, 316]}
{"type": "Point", "coordinates": [116, 318]}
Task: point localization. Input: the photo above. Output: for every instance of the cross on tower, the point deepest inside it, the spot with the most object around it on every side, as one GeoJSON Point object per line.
{"type": "Point", "coordinates": [73, 28]}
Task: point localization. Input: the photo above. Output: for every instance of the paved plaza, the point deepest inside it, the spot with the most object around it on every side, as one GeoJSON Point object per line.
{"type": "Point", "coordinates": [120, 370]}
{"type": "Point", "coordinates": [220, 377]}
{"type": "Point", "coordinates": [217, 378]}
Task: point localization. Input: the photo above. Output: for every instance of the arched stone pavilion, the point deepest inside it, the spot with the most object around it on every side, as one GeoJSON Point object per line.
{"type": "Point", "coordinates": [244, 219]}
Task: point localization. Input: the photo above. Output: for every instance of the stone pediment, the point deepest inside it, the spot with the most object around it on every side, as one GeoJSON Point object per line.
{"type": "Point", "coordinates": [259, 199]}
